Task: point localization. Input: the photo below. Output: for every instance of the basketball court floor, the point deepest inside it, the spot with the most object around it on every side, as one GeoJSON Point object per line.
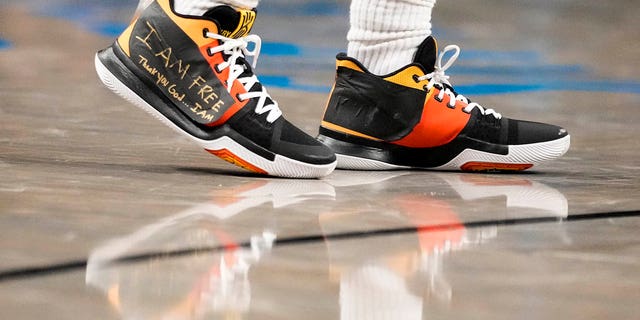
{"type": "Point", "coordinates": [105, 213]}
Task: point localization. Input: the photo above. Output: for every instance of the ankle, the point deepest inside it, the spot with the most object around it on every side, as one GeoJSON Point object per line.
{"type": "Point", "coordinates": [386, 38]}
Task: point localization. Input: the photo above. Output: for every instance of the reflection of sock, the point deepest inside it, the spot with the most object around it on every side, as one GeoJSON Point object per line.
{"type": "Point", "coordinates": [385, 34]}
{"type": "Point", "coordinates": [373, 292]}
{"type": "Point", "coordinates": [199, 7]}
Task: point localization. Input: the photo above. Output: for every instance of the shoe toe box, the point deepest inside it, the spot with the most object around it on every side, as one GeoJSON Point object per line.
{"type": "Point", "coordinates": [528, 132]}
{"type": "Point", "coordinates": [296, 144]}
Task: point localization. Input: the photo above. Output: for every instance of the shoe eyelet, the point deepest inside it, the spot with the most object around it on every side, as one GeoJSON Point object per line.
{"type": "Point", "coordinates": [415, 78]}
{"type": "Point", "coordinates": [438, 98]}
{"type": "Point", "coordinates": [451, 106]}
{"type": "Point", "coordinates": [238, 97]}
{"type": "Point", "coordinates": [425, 87]}
{"type": "Point", "coordinates": [216, 67]}
{"type": "Point", "coordinates": [204, 32]}
{"type": "Point", "coordinates": [210, 54]}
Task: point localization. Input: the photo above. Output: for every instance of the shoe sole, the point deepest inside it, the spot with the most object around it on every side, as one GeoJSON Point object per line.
{"type": "Point", "coordinates": [224, 147]}
{"type": "Point", "coordinates": [518, 158]}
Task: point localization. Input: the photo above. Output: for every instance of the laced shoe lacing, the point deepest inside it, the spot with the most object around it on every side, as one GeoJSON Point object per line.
{"type": "Point", "coordinates": [236, 49]}
{"type": "Point", "coordinates": [440, 80]}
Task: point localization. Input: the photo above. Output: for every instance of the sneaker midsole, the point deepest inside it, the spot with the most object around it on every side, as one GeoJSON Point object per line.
{"type": "Point", "coordinates": [404, 156]}
{"type": "Point", "coordinates": [444, 157]}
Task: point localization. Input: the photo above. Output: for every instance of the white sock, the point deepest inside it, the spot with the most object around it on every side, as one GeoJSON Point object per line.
{"type": "Point", "coordinates": [385, 34]}
{"type": "Point", "coordinates": [199, 7]}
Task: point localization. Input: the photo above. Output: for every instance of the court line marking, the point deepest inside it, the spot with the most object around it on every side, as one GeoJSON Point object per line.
{"type": "Point", "coordinates": [77, 265]}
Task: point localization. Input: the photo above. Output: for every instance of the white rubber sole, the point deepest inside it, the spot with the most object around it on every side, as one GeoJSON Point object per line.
{"type": "Point", "coordinates": [520, 157]}
{"type": "Point", "coordinates": [224, 147]}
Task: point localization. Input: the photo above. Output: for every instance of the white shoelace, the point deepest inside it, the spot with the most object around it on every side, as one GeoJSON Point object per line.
{"type": "Point", "coordinates": [439, 78]}
{"type": "Point", "coordinates": [237, 48]}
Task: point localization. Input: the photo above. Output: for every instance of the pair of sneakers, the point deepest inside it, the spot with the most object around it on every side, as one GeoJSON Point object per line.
{"type": "Point", "coordinates": [196, 74]}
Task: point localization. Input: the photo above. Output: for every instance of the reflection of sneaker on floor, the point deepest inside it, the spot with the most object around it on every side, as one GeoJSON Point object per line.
{"type": "Point", "coordinates": [413, 118]}
{"type": "Point", "coordinates": [212, 274]}
{"type": "Point", "coordinates": [533, 199]}
{"type": "Point", "coordinates": [363, 178]}
{"type": "Point", "coordinates": [192, 73]}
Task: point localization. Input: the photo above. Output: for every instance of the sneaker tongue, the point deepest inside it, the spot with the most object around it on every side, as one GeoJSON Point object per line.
{"type": "Point", "coordinates": [427, 54]}
{"type": "Point", "coordinates": [233, 23]}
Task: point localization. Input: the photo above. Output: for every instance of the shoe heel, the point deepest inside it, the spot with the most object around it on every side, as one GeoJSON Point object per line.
{"type": "Point", "coordinates": [358, 157]}
{"type": "Point", "coordinates": [114, 84]}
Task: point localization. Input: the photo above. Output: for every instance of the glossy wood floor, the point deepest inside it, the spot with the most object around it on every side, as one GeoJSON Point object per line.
{"type": "Point", "coordinates": [106, 214]}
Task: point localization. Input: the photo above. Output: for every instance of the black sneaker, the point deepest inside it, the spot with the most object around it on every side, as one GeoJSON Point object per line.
{"type": "Point", "coordinates": [413, 118]}
{"type": "Point", "coordinates": [192, 74]}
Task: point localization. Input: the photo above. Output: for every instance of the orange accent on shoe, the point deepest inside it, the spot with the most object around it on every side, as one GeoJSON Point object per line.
{"type": "Point", "coordinates": [326, 106]}
{"type": "Point", "coordinates": [348, 64]}
{"type": "Point", "coordinates": [236, 90]}
{"type": "Point", "coordinates": [406, 78]}
{"type": "Point", "coordinates": [439, 124]}
{"type": "Point", "coordinates": [338, 128]}
{"type": "Point", "coordinates": [228, 156]}
{"type": "Point", "coordinates": [491, 166]}
{"type": "Point", "coordinates": [125, 37]}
